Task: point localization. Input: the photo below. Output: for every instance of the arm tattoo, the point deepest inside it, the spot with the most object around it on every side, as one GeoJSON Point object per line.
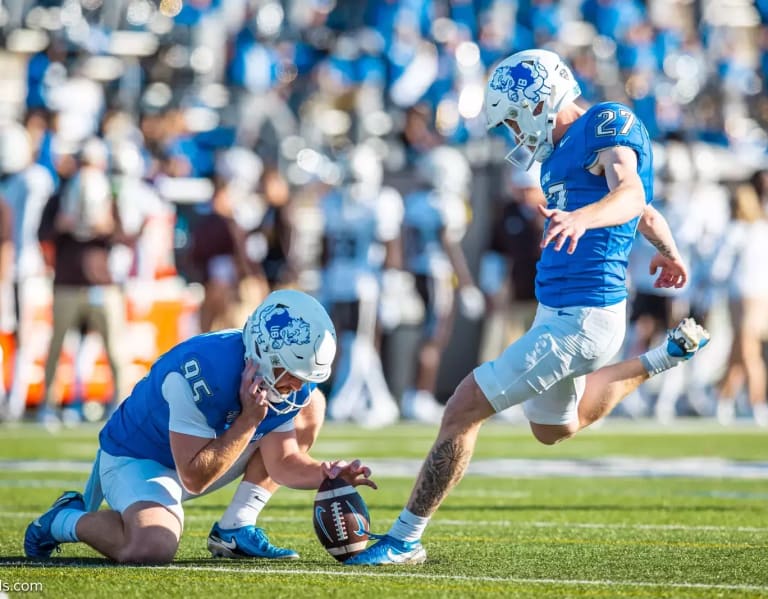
{"type": "Point", "coordinates": [662, 247]}
{"type": "Point", "coordinates": [444, 467]}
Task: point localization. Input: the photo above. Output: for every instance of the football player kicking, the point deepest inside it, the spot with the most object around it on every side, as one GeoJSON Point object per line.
{"type": "Point", "coordinates": [596, 173]}
{"type": "Point", "coordinates": [198, 421]}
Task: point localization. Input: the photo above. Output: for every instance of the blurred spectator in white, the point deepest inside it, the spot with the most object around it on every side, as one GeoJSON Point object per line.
{"type": "Point", "coordinates": [361, 221]}
{"type": "Point", "coordinates": [79, 102]}
{"type": "Point", "coordinates": [26, 188]}
{"type": "Point", "coordinates": [86, 208]}
{"type": "Point", "coordinates": [741, 261]}
{"type": "Point", "coordinates": [137, 202]}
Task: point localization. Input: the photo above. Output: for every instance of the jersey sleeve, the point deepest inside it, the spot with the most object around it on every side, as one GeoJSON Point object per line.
{"type": "Point", "coordinates": [612, 124]}
{"type": "Point", "coordinates": [184, 416]}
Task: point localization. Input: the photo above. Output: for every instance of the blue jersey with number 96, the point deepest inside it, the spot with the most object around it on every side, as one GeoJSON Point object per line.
{"type": "Point", "coordinates": [212, 365]}
{"type": "Point", "coordinates": [595, 274]}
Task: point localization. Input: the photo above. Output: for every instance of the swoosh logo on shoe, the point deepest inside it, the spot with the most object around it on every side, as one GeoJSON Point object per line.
{"type": "Point", "coordinates": [395, 558]}
{"type": "Point", "coordinates": [36, 522]}
{"type": "Point", "coordinates": [228, 544]}
{"type": "Point", "coordinates": [319, 511]}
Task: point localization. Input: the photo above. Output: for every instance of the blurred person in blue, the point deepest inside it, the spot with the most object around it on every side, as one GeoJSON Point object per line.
{"type": "Point", "coordinates": [596, 172]}
{"type": "Point", "coordinates": [217, 407]}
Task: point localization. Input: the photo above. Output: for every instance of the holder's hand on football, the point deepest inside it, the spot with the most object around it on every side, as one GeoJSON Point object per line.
{"type": "Point", "coordinates": [355, 473]}
{"type": "Point", "coordinates": [253, 395]}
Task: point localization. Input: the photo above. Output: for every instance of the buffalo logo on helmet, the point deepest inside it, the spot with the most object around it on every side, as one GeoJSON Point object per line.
{"type": "Point", "coordinates": [524, 80]}
{"type": "Point", "coordinates": [282, 328]}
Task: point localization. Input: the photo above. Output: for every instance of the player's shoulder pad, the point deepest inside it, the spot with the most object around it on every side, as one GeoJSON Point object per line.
{"type": "Point", "coordinates": [611, 124]}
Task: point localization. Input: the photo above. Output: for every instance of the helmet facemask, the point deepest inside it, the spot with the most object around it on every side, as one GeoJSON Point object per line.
{"type": "Point", "coordinates": [290, 331]}
{"type": "Point", "coordinates": [280, 403]}
{"type": "Point", "coordinates": [532, 134]}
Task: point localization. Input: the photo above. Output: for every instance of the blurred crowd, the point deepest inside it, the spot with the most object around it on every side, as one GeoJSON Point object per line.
{"type": "Point", "coordinates": [339, 146]}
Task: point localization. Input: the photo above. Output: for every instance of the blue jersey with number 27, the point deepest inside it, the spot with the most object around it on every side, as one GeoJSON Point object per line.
{"type": "Point", "coordinates": [212, 364]}
{"type": "Point", "coordinates": [595, 274]}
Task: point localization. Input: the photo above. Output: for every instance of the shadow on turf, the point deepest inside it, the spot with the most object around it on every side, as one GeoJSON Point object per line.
{"type": "Point", "coordinates": [56, 562]}
{"type": "Point", "coordinates": [91, 562]}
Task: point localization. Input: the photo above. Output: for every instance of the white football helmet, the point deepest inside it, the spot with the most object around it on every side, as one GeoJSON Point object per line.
{"type": "Point", "coordinates": [525, 92]}
{"type": "Point", "coordinates": [292, 331]}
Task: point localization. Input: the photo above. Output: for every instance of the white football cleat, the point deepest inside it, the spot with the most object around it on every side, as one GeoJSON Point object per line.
{"type": "Point", "coordinates": [421, 406]}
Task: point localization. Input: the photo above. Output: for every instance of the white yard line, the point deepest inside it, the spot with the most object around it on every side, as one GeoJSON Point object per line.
{"type": "Point", "coordinates": [389, 573]}
{"type": "Point", "coordinates": [607, 467]}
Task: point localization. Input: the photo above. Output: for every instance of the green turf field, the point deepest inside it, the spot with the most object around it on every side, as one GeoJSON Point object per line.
{"type": "Point", "coordinates": [677, 512]}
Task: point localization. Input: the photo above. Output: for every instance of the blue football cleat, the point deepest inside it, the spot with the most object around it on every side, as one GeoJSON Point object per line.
{"type": "Point", "coordinates": [38, 540]}
{"type": "Point", "coordinates": [245, 542]}
{"type": "Point", "coordinates": [686, 339]}
{"type": "Point", "coordinates": [388, 551]}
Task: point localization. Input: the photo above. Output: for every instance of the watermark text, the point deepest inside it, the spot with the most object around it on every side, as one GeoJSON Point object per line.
{"type": "Point", "coordinates": [6, 586]}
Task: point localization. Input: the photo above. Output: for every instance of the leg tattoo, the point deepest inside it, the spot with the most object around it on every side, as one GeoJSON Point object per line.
{"type": "Point", "coordinates": [444, 467]}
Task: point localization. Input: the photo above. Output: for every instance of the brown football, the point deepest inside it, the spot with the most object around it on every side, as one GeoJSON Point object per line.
{"type": "Point", "coordinates": [340, 518]}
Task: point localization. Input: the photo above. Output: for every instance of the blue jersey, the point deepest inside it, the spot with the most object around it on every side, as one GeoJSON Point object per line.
{"type": "Point", "coordinates": [212, 364]}
{"type": "Point", "coordinates": [595, 274]}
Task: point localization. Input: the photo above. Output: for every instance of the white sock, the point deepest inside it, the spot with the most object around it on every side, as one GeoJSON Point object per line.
{"type": "Point", "coordinates": [658, 360]}
{"type": "Point", "coordinates": [760, 414]}
{"type": "Point", "coordinates": [64, 525]}
{"type": "Point", "coordinates": [726, 410]}
{"type": "Point", "coordinates": [245, 506]}
{"type": "Point", "coordinates": [408, 526]}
